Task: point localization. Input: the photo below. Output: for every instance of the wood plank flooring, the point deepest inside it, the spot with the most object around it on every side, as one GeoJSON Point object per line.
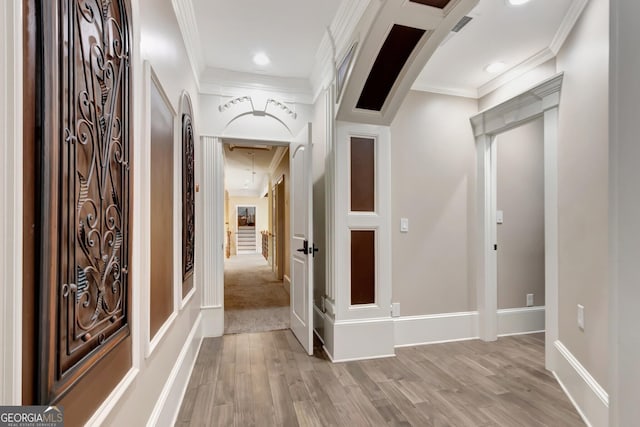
{"type": "Point", "coordinates": [265, 379]}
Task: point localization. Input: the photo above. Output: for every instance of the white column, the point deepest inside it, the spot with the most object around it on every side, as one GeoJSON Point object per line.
{"type": "Point", "coordinates": [11, 200]}
{"type": "Point", "coordinates": [354, 325]}
{"type": "Point", "coordinates": [624, 214]}
{"type": "Point", "coordinates": [212, 223]}
{"type": "Point", "coordinates": [486, 280]}
{"type": "Point", "coordinates": [551, 232]}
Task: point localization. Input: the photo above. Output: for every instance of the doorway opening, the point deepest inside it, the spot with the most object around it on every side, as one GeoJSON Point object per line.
{"type": "Point", "coordinates": [256, 295]}
{"type": "Point", "coordinates": [520, 231]}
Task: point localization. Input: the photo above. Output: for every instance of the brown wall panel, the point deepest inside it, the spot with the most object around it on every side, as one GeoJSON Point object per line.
{"type": "Point", "coordinates": [363, 267]}
{"type": "Point", "coordinates": [161, 210]}
{"type": "Point", "coordinates": [394, 53]}
{"type": "Point", "coordinates": [30, 207]}
{"type": "Point", "coordinates": [363, 184]}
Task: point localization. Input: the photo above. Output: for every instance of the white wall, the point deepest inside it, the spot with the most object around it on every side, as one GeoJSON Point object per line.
{"type": "Point", "coordinates": [520, 196]}
{"type": "Point", "coordinates": [433, 161]}
{"type": "Point", "coordinates": [157, 31]}
{"type": "Point", "coordinates": [624, 202]}
{"type": "Point", "coordinates": [583, 189]}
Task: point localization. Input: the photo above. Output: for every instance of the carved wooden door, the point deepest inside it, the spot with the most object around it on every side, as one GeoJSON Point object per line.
{"type": "Point", "coordinates": [83, 139]}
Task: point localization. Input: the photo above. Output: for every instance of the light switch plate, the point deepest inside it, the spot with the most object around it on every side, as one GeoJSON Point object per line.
{"type": "Point", "coordinates": [499, 217]}
{"type": "Point", "coordinates": [529, 300]}
{"type": "Point", "coordinates": [404, 225]}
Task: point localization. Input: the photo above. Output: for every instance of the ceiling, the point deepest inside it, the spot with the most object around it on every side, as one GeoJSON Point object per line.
{"type": "Point", "coordinates": [247, 167]}
{"type": "Point", "coordinates": [498, 32]}
{"type": "Point", "coordinates": [288, 31]}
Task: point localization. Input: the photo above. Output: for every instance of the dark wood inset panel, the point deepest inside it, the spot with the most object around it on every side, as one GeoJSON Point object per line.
{"type": "Point", "coordinates": [393, 55]}
{"type": "Point", "coordinates": [363, 169]}
{"type": "Point", "coordinates": [31, 204]}
{"type": "Point", "coordinates": [363, 267]}
{"type": "Point", "coordinates": [161, 210]}
{"type": "Point", "coordinates": [434, 3]}
{"type": "Point", "coordinates": [188, 197]}
{"type": "Point", "coordinates": [83, 190]}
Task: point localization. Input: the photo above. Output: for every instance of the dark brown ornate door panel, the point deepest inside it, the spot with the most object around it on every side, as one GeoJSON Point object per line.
{"type": "Point", "coordinates": [83, 141]}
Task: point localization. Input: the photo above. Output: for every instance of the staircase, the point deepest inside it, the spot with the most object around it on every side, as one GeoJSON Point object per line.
{"type": "Point", "coordinates": [246, 239]}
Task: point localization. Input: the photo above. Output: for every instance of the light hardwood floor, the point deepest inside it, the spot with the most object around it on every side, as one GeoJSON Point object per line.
{"type": "Point", "coordinates": [266, 379]}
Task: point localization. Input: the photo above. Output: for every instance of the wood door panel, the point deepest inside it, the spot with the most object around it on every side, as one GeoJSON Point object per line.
{"type": "Point", "coordinates": [82, 195]}
{"type": "Point", "coordinates": [161, 209]}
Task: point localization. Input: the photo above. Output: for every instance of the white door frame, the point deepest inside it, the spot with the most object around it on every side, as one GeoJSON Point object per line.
{"type": "Point", "coordinates": [11, 200]}
{"type": "Point", "coordinates": [212, 175]}
{"type": "Point", "coordinates": [542, 100]}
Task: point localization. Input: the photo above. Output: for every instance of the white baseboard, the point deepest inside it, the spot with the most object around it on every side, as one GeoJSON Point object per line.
{"type": "Point", "coordinates": [435, 328]}
{"type": "Point", "coordinates": [212, 321]}
{"type": "Point", "coordinates": [518, 321]}
{"type": "Point", "coordinates": [361, 339]}
{"type": "Point", "coordinates": [286, 282]}
{"type": "Point", "coordinates": [167, 407]}
{"type": "Point", "coordinates": [318, 319]}
{"type": "Point", "coordinates": [589, 398]}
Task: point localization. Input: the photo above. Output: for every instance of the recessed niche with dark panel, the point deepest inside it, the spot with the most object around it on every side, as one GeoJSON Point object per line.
{"type": "Point", "coordinates": [188, 196]}
{"type": "Point", "coordinates": [363, 267]}
{"type": "Point", "coordinates": [394, 53]}
{"type": "Point", "coordinates": [440, 4]}
{"type": "Point", "coordinates": [363, 166]}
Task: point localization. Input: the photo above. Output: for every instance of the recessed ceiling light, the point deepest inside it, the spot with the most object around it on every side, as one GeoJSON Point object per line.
{"type": "Point", "coordinates": [261, 59]}
{"type": "Point", "coordinates": [495, 67]}
{"type": "Point", "coordinates": [517, 2]}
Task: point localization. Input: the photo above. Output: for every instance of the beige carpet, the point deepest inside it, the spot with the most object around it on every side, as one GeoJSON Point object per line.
{"type": "Point", "coordinates": [254, 300]}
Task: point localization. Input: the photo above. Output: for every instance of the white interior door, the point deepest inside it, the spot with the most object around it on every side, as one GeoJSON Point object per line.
{"type": "Point", "coordinates": [302, 239]}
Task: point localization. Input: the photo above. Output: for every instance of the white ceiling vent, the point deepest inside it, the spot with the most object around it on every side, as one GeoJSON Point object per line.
{"type": "Point", "coordinates": [461, 23]}
{"type": "Point", "coordinates": [456, 28]}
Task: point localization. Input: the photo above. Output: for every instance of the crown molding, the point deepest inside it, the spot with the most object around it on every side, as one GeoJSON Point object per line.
{"type": "Point", "coordinates": [516, 71]}
{"type": "Point", "coordinates": [218, 81]}
{"type": "Point", "coordinates": [186, 16]}
{"type": "Point", "coordinates": [335, 43]}
{"type": "Point", "coordinates": [465, 92]}
{"type": "Point", "coordinates": [568, 22]}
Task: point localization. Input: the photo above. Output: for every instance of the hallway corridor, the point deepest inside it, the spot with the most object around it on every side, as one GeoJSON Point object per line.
{"type": "Point", "coordinates": [266, 379]}
{"type": "Point", "coordinates": [254, 300]}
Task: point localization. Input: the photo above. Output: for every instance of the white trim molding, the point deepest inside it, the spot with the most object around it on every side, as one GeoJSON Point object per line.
{"type": "Point", "coordinates": [589, 398]}
{"type": "Point", "coordinates": [166, 410]}
{"type": "Point", "coordinates": [361, 339]}
{"type": "Point", "coordinates": [542, 100]}
{"type": "Point", "coordinates": [212, 321]}
{"type": "Point", "coordinates": [519, 321]}
{"type": "Point", "coordinates": [11, 200]}
{"type": "Point", "coordinates": [435, 328]}
{"type": "Point", "coordinates": [186, 17]}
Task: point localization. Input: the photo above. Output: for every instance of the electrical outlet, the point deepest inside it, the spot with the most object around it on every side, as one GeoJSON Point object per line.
{"type": "Point", "coordinates": [395, 309]}
{"type": "Point", "coordinates": [581, 317]}
{"type": "Point", "coordinates": [529, 300]}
